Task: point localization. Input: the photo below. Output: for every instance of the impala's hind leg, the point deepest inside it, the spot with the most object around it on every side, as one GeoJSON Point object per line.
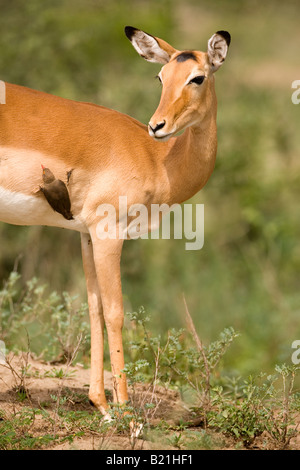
{"type": "Point", "coordinates": [96, 392]}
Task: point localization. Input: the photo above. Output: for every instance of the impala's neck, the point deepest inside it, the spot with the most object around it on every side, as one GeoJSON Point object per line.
{"type": "Point", "coordinates": [191, 160]}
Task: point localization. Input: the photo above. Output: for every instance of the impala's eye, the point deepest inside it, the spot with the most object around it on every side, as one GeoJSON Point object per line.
{"type": "Point", "coordinates": [158, 77]}
{"type": "Point", "coordinates": [198, 80]}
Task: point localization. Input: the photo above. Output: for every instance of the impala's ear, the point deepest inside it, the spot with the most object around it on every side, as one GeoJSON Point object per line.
{"type": "Point", "coordinates": [150, 48]}
{"type": "Point", "coordinates": [217, 49]}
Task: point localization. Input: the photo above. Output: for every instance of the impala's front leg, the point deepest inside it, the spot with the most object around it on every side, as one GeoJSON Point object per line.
{"type": "Point", "coordinates": [107, 257]}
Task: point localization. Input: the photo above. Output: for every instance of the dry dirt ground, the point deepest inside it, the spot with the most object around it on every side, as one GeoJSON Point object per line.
{"type": "Point", "coordinates": [45, 384]}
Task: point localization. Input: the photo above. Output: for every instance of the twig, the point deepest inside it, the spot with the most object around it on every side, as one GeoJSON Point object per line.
{"type": "Point", "coordinates": [191, 327]}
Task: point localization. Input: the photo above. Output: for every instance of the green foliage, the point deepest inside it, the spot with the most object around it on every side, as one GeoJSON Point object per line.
{"type": "Point", "coordinates": [15, 433]}
{"type": "Point", "coordinates": [243, 409]}
{"type": "Point", "coordinates": [202, 440]}
{"type": "Point", "coordinates": [51, 322]}
{"type": "Point", "coordinates": [175, 359]}
{"type": "Point", "coordinates": [224, 405]}
{"type": "Point", "coordinates": [58, 373]}
{"type": "Point", "coordinates": [262, 406]}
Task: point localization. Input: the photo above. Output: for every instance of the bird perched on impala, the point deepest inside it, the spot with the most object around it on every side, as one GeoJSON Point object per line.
{"type": "Point", "coordinates": [56, 193]}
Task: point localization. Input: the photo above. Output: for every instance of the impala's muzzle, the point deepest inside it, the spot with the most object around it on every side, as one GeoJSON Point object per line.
{"type": "Point", "coordinates": [158, 126]}
{"type": "Point", "coordinates": [157, 131]}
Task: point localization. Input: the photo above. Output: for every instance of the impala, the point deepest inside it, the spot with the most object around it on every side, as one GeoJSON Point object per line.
{"type": "Point", "coordinates": [106, 155]}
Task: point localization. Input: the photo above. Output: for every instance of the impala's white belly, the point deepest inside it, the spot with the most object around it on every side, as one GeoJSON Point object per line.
{"type": "Point", "coordinates": [21, 209]}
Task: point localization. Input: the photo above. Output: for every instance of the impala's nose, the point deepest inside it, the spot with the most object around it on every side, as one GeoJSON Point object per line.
{"type": "Point", "coordinates": [158, 126]}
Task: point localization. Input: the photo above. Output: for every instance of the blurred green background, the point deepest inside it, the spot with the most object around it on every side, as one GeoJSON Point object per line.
{"type": "Point", "coordinates": [247, 274]}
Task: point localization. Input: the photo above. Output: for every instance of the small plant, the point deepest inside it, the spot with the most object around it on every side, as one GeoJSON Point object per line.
{"type": "Point", "coordinates": [53, 322]}
{"type": "Point", "coordinates": [172, 360]}
{"type": "Point", "coordinates": [238, 418]}
{"type": "Point", "coordinates": [19, 369]}
{"type": "Point", "coordinates": [177, 440]}
{"type": "Point", "coordinates": [281, 424]}
{"type": "Point", "coordinates": [263, 406]}
{"type": "Point", "coordinates": [66, 325]}
{"type": "Point", "coordinates": [176, 359]}
{"type": "Point", "coordinates": [16, 431]}
{"type": "Point", "coordinates": [59, 373]}
{"type": "Point", "coordinates": [243, 409]}
{"type": "Point", "coordinates": [202, 440]}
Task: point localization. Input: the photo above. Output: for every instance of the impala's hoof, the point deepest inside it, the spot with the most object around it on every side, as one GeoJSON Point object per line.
{"type": "Point", "coordinates": [99, 405]}
{"type": "Point", "coordinates": [107, 418]}
{"type": "Point", "coordinates": [135, 430]}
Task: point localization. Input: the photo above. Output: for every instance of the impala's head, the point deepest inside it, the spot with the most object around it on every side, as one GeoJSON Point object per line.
{"type": "Point", "coordinates": [48, 176]}
{"type": "Point", "coordinates": [187, 79]}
